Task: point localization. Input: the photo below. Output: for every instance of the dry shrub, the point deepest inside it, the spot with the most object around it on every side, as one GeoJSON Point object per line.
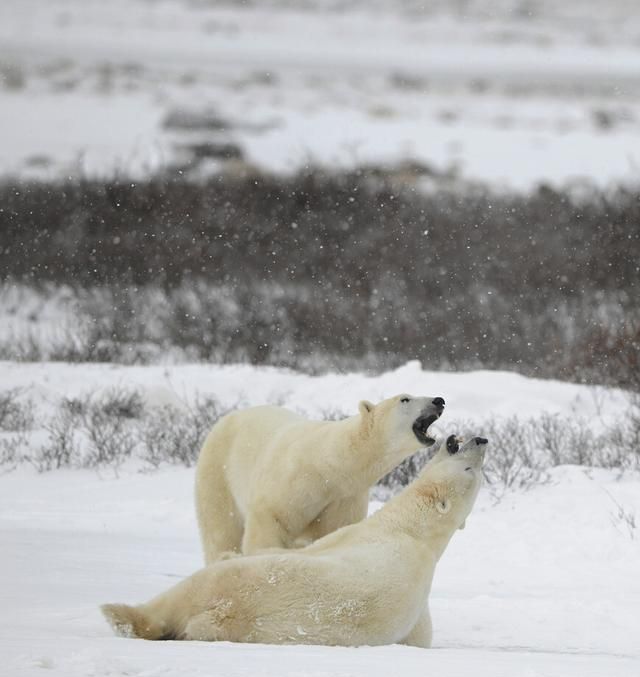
{"type": "Point", "coordinates": [174, 436]}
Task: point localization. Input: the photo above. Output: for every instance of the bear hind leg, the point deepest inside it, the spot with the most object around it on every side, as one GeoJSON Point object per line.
{"type": "Point", "coordinates": [132, 622]}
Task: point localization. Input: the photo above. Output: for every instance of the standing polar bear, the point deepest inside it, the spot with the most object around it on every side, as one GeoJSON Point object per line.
{"type": "Point", "coordinates": [270, 478]}
{"type": "Point", "coordinates": [366, 583]}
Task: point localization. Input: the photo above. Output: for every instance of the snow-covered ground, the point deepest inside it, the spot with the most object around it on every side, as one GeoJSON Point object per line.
{"type": "Point", "coordinates": [470, 396]}
{"type": "Point", "coordinates": [541, 582]}
{"type": "Point", "coordinates": [513, 93]}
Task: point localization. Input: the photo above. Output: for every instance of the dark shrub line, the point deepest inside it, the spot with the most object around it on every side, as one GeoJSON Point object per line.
{"type": "Point", "coordinates": [338, 270]}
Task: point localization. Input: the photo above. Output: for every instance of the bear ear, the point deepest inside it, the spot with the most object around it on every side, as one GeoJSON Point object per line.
{"type": "Point", "coordinates": [365, 407]}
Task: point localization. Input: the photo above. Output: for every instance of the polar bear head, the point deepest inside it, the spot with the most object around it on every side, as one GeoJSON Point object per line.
{"type": "Point", "coordinates": [402, 422]}
{"type": "Point", "coordinates": [451, 480]}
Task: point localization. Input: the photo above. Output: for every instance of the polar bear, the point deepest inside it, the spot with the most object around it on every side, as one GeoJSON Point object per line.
{"type": "Point", "coordinates": [366, 583]}
{"type": "Point", "coordinates": [270, 478]}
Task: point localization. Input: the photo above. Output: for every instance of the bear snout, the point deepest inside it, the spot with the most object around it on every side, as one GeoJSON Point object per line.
{"type": "Point", "coordinates": [438, 403]}
{"type": "Point", "coordinates": [481, 440]}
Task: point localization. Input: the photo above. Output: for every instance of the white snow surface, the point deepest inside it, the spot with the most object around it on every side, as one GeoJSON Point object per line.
{"type": "Point", "coordinates": [511, 93]}
{"type": "Point", "coordinates": [470, 396]}
{"type": "Point", "coordinates": [541, 582]}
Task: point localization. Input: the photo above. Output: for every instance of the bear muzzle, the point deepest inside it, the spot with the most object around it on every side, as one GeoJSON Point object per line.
{"type": "Point", "coordinates": [421, 426]}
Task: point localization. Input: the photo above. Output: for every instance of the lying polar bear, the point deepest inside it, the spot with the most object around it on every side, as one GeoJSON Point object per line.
{"type": "Point", "coordinates": [366, 583]}
{"type": "Point", "coordinates": [269, 478]}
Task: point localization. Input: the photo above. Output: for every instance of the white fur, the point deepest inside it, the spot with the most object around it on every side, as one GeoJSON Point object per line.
{"type": "Point", "coordinates": [270, 478]}
{"type": "Point", "coordinates": [366, 583]}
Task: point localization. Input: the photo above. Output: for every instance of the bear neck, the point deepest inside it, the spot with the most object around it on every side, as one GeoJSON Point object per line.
{"type": "Point", "coordinates": [413, 512]}
{"type": "Point", "coordinates": [358, 458]}
{"type": "Point", "coordinates": [372, 457]}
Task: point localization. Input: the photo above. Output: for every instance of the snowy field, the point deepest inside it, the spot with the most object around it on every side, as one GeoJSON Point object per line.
{"type": "Point", "coordinates": [541, 582]}
{"type": "Point", "coordinates": [512, 93]}
{"type": "Point", "coordinates": [544, 580]}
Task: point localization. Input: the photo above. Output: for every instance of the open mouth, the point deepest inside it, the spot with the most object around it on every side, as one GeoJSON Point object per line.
{"type": "Point", "coordinates": [453, 444]}
{"type": "Point", "coordinates": [420, 427]}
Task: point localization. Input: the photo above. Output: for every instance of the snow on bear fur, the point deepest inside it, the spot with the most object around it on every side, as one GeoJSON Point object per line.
{"type": "Point", "coordinates": [365, 584]}
{"type": "Point", "coordinates": [270, 478]}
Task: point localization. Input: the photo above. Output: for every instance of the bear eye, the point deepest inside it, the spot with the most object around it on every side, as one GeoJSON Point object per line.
{"type": "Point", "coordinates": [405, 399]}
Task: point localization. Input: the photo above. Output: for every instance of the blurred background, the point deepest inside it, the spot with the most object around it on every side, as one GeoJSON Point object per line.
{"type": "Point", "coordinates": [323, 184]}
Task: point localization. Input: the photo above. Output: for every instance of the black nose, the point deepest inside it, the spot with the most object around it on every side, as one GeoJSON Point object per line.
{"type": "Point", "coordinates": [481, 440]}
{"type": "Point", "coordinates": [438, 402]}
